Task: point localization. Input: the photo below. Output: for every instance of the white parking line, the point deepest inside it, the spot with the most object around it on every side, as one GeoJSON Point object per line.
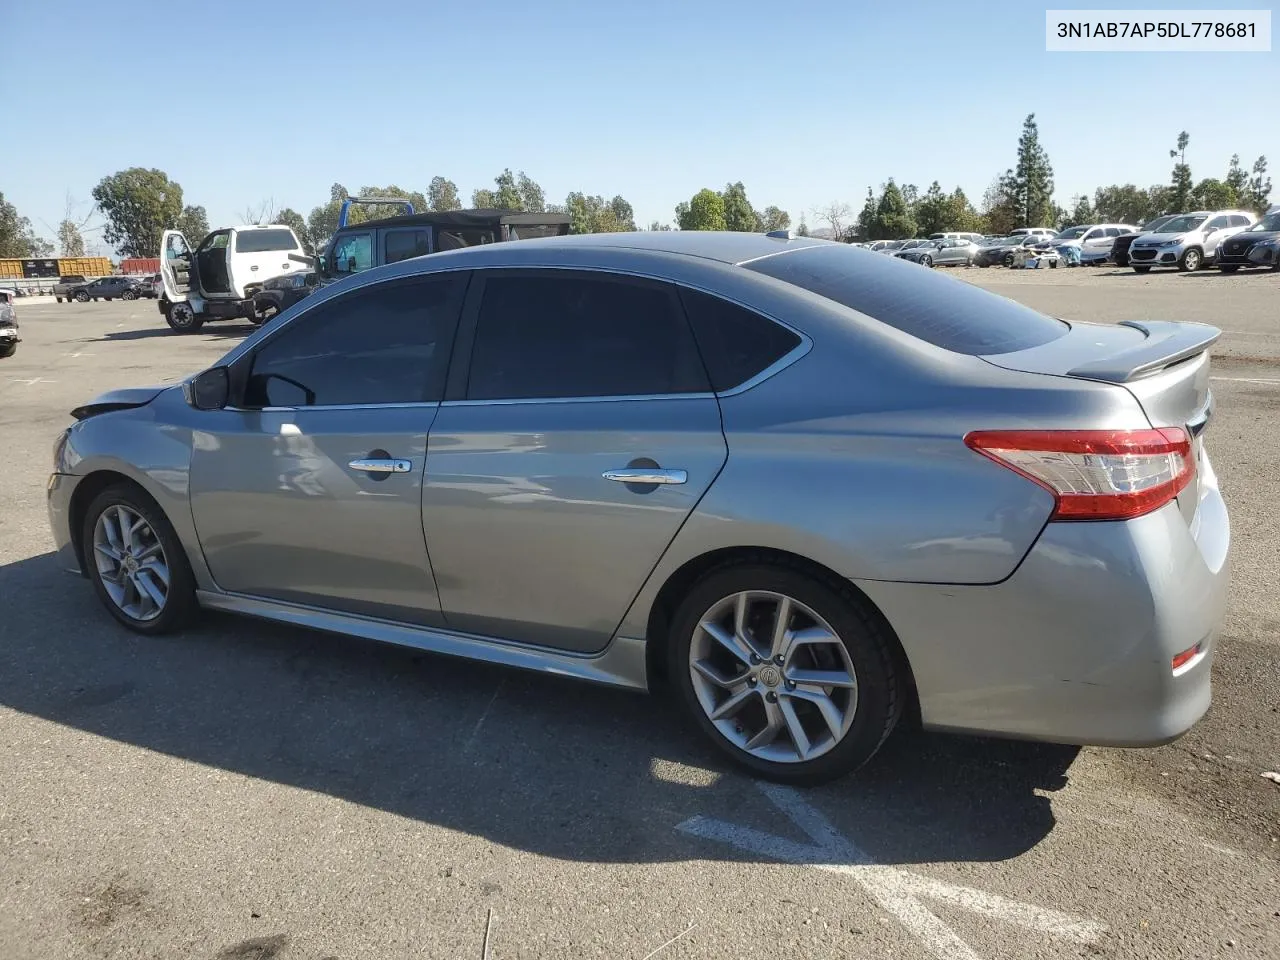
{"type": "Point", "coordinates": [1245, 379]}
{"type": "Point", "coordinates": [32, 382]}
{"type": "Point", "coordinates": [898, 892]}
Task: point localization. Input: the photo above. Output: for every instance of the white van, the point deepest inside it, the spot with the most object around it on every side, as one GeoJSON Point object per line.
{"type": "Point", "coordinates": [218, 279]}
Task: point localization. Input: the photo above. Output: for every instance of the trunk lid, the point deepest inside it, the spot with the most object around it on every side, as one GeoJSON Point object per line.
{"type": "Point", "coordinates": [1163, 364]}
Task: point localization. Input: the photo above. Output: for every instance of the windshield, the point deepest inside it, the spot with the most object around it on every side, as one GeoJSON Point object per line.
{"type": "Point", "coordinates": [1269, 222]}
{"type": "Point", "coordinates": [260, 241]}
{"type": "Point", "coordinates": [1155, 225]}
{"type": "Point", "coordinates": [1072, 233]}
{"type": "Point", "coordinates": [1182, 224]}
{"type": "Point", "coordinates": [958, 317]}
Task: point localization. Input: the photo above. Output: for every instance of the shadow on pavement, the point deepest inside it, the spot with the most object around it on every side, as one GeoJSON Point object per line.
{"type": "Point", "coordinates": [219, 330]}
{"type": "Point", "coordinates": [543, 765]}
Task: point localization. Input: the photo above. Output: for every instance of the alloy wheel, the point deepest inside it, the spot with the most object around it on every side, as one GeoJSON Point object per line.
{"type": "Point", "coordinates": [773, 677]}
{"type": "Point", "coordinates": [130, 562]}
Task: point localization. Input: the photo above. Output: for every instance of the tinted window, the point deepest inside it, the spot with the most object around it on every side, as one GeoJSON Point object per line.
{"type": "Point", "coordinates": [385, 344]}
{"type": "Point", "coordinates": [930, 306]}
{"type": "Point", "coordinates": [529, 231]}
{"type": "Point", "coordinates": [577, 336]}
{"type": "Point", "coordinates": [403, 244]}
{"type": "Point", "coordinates": [455, 238]}
{"type": "Point", "coordinates": [736, 343]}
{"type": "Point", "coordinates": [1239, 221]}
{"type": "Point", "coordinates": [1217, 223]}
{"type": "Point", "coordinates": [258, 241]}
{"type": "Point", "coordinates": [352, 252]}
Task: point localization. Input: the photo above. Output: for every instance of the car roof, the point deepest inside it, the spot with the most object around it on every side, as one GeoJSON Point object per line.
{"type": "Point", "coordinates": [480, 217]}
{"type": "Point", "coordinates": [721, 246]}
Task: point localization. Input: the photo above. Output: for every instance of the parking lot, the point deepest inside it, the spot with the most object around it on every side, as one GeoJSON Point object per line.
{"type": "Point", "coordinates": [248, 791]}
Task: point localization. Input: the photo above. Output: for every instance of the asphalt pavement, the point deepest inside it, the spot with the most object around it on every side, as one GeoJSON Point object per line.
{"type": "Point", "coordinates": [247, 791]}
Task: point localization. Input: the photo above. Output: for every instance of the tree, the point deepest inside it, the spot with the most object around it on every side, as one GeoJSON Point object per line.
{"type": "Point", "coordinates": [1237, 179]}
{"type": "Point", "coordinates": [70, 242]}
{"type": "Point", "coordinates": [1033, 177]}
{"type": "Point", "coordinates": [442, 195]}
{"type": "Point", "coordinates": [1000, 205]}
{"type": "Point", "coordinates": [836, 216]}
{"type": "Point", "coordinates": [1258, 193]}
{"type": "Point", "coordinates": [193, 222]}
{"type": "Point", "coordinates": [1081, 212]}
{"type": "Point", "coordinates": [1180, 187]}
{"type": "Point", "coordinates": [532, 199]}
{"type": "Point", "coordinates": [867, 218]}
{"type": "Point", "coordinates": [323, 220]}
{"type": "Point", "coordinates": [803, 229]}
{"type": "Point", "coordinates": [771, 218]}
{"type": "Point", "coordinates": [1213, 194]}
{"type": "Point", "coordinates": [264, 211]}
{"type": "Point", "coordinates": [1126, 203]}
{"type": "Point", "coordinates": [893, 219]}
{"type": "Point", "coordinates": [293, 219]}
{"type": "Point", "coordinates": [17, 239]}
{"type": "Point", "coordinates": [960, 213]}
{"type": "Point", "coordinates": [657, 225]}
{"type": "Point", "coordinates": [138, 205]}
{"type": "Point", "coordinates": [704, 211]}
{"type": "Point", "coordinates": [597, 215]}
{"type": "Point", "coordinates": [376, 211]}
{"type": "Point", "coordinates": [738, 213]}
{"type": "Point", "coordinates": [931, 211]}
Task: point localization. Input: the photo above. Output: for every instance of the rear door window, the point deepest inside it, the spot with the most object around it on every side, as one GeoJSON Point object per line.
{"type": "Point", "coordinates": [404, 244]}
{"type": "Point", "coordinates": [569, 335]}
{"type": "Point", "coordinates": [927, 305]}
{"type": "Point", "coordinates": [262, 241]}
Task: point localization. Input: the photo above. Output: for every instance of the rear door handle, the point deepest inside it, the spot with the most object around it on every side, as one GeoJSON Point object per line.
{"type": "Point", "coordinates": [646, 475]}
{"type": "Point", "coordinates": [381, 466]}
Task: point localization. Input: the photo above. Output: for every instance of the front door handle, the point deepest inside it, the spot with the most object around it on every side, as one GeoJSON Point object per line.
{"type": "Point", "coordinates": [379, 465]}
{"type": "Point", "coordinates": [647, 475]}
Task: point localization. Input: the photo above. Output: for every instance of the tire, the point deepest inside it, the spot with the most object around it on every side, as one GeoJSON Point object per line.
{"type": "Point", "coordinates": [133, 602]}
{"type": "Point", "coordinates": [108, 299]}
{"type": "Point", "coordinates": [1145, 269]}
{"type": "Point", "coordinates": [1008, 260]}
{"type": "Point", "coordinates": [128, 295]}
{"type": "Point", "coordinates": [1229, 269]}
{"type": "Point", "coordinates": [82, 297]}
{"type": "Point", "coordinates": [926, 261]}
{"type": "Point", "coordinates": [1122, 260]}
{"type": "Point", "coordinates": [182, 318]}
{"type": "Point", "coordinates": [1191, 260]}
{"type": "Point", "coordinates": [9, 351]}
{"type": "Point", "coordinates": [59, 299]}
{"type": "Point", "coordinates": [859, 647]}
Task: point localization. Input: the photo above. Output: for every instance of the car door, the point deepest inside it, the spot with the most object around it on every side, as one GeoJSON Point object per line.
{"type": "Point", "coordinates": [1215, 231]}
{"type": "Point", "coordinates": [581, 436]}
{"type": "Point", "coordinates": [949, 251]}
{"type": "Point", "coordinates": [309, 488]}
{"type": "Point", "coordinates": [175, 266]}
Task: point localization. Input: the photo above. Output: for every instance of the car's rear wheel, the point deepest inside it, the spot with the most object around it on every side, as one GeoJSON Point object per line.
{"type": "Point", "coordinates": [1141, 269]}
{"type": "Point", "coordinates": [59, 299]}
{"type": "Point", "coordinates": [128, 295]}
{"type": "Point", "coordinates": [795, 679]}
{"type": "Point", "coordinates": [1191, 261]}
{"type": "Point", "coordinates": [182, 318]}
{"type": "Point", "coordinates": [136, 562]}
{"type": "Point", "coordinates": [926, 261]}
{"type": "Point", "coordinates": [1008, 260]}
{"type": "Point", "coordinates": [82, 297]}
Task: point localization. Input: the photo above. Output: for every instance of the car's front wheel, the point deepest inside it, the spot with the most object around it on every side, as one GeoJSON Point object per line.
{"type": "Point", "coordinates": [128, 295]}
{"type": "Point", "coordinates": [136, 562]}
{"type": "Point", "coordinates": [82, 297]}
{"type": "Point", "coordinates": [926, 261]}
{"type": "Point", "coordinates": [794, 678]}
{"type": "Point", "coordinates": [1191, 261]}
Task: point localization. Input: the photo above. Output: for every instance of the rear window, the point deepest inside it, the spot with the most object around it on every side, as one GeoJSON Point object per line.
{"type": "Point", "coordinates": [260, 241]}
{"type": "Point", "coordinates": [927, 305]}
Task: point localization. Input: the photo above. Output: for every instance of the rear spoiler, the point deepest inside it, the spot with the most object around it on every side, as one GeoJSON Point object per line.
{"type": "Point", "coordinates": [1166, 343]}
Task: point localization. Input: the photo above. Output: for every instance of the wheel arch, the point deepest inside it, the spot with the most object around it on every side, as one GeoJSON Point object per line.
{"type": "Point", "coordinates": [83, 495]}
{"type": "Point", "coordinates": [682, 580]}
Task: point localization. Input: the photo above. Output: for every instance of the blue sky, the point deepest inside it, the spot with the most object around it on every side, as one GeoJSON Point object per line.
{"type": "Point", "coordinates": [805, 102]}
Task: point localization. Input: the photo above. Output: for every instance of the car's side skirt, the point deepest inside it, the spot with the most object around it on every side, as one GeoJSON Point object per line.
{"type": "Point", "coordinates": [621, 664]}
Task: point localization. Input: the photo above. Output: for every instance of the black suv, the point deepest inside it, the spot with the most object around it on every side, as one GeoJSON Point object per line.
{"type": "Point", "coordinates": [1233, 252]}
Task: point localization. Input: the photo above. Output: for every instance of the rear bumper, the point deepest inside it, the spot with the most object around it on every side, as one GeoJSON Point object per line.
{"type": "Point", "coordinates": [1076, 646]}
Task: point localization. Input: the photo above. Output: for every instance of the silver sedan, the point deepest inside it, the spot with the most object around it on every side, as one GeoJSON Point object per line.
{"type": "Point", "coordinates": [811, 488]}
{"type": "Point", "coordinates": [950, 252]}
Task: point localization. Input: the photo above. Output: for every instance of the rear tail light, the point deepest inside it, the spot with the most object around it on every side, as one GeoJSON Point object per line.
{"type": "Point", "coordinates": [1095, 474]}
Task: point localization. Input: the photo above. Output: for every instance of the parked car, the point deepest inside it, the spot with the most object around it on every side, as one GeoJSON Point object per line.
{"type": "Point", "coordinates": [975, 237]}
{"type": "Point", "coordinates": [1003, 250]}
{"type": "Point", "coordinates": [941, 253]}
{"type": "Point", "coordinates": [150, 286]}
{"type": "Point", "coordinates": [108, 288]}
{"type": "Point", "coordinates": [217, 279]}
{"type": "Point", "coordinates": [280, 293]}
{"type": "Point", "coordinates": [1120, 246]}
{"type": "Point", "coordinates": [887, 246]}
{"type": "Point", "coordinates": [1237, 251]}
{"type": "Point", "coordinates": [1093, 241]}
{"type": "Point", "coordinates": [842, 496]}
{"type": "Point", "coordinates": [9, 338]}
{"type": "Point", "coordinates": [1044, 232]}
{"type": "Point", "coordinates": [1189, 241]}
{"type": "Point", "coordinates": [1266, 254]}
{"type": "Point", "coordinates": [66, 287]}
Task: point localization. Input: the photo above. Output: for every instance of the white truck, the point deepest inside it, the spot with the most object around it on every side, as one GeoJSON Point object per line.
{"type": "Point", "coordinates": [218, 279]}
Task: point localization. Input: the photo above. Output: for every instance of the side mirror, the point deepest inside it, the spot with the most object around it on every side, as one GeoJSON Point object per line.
{"type": "Point", "coordinates": [210, 390]}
